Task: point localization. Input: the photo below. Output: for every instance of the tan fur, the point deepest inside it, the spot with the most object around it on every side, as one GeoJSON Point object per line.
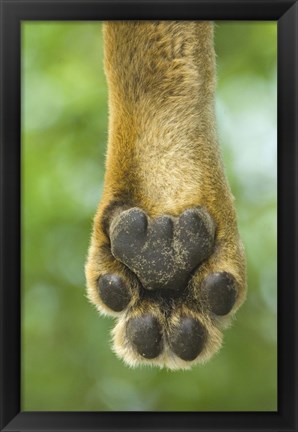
{"type": "Point", "coordinates": [163, 154]}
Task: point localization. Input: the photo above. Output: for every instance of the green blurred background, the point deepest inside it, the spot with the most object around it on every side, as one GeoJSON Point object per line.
{"type": "Point", "coordinates": [67, 363]}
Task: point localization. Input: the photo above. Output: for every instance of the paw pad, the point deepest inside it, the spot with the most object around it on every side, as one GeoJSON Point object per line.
{"type": "Point", "coordinates": [162, 252]}
{"type": "Point", "coordinates": [113, 292]}
{"type": "Point", "coordinates": [219, 292]}
{"type": "Point", "coordinates": [145, 335]}
{"type": "Point", "coordinates": [187, 340]}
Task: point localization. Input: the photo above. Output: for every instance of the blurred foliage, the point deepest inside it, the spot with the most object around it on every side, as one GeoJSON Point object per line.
{"type": "Point", "coordinates": [67, 363]}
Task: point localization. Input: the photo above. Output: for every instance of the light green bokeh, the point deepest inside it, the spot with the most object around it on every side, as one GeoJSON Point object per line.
{"type": "Point", "coordinates": [67, 363]}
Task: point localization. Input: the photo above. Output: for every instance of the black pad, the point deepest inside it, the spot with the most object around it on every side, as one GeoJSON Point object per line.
{"type": "Point", "coordinates": [113, 292]}
{"type": "Point", "coordinates": [219, 292]}
{"type": "Point", "coordinates": [163, 251]}
{"type": "Point", "coordinates": [144, 333]}
{"type": "Point", "coordinates": [188, 339]}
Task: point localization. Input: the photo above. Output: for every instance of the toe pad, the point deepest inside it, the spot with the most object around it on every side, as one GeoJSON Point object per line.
{"type": "Point", "coordinates": [113, 292]}
{"type": "Point", "coordinates": [144, 333]}
{"type": "Point", "coordinates": [188, 339]}
{"type": "Point", "coordinates": [219, 292]}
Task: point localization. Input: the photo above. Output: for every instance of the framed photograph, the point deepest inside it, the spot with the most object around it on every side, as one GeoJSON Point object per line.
{"type": "Point", "coordinates": [148, 173]}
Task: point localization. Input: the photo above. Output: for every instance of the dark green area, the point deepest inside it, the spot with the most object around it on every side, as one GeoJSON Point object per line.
{"type": "Point", "coordinates": [67, 363]}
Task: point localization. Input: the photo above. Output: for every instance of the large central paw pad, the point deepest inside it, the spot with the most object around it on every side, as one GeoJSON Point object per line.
{"type": "Point", "coordinates": [162, 252]}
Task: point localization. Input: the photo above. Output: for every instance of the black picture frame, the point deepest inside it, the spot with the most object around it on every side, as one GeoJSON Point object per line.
{"type": "Point", "coordinates": [285, 12]}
